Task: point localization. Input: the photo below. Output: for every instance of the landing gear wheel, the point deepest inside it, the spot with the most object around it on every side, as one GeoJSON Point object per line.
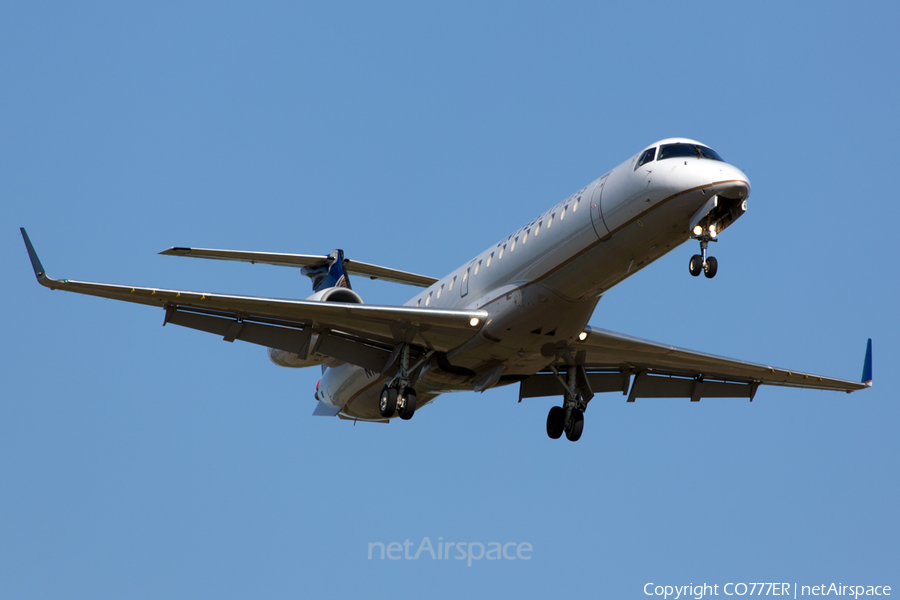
{"type": "Point", "coordinates": [711, 266]}
{"type": "Point", "coordinates": [696, 265]}
{"type": "Point", "coordinates": [387, 403]}
{"type": "Point", "coordinates": [556, 422]}
{"type": "Point", "coordinates": [575, 426]}
{"type": "Point", "coordinates": [409, 407]}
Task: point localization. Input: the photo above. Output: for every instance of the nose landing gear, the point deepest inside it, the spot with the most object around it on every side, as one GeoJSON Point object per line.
{"type": "Point", "coordinates": [700, 262]}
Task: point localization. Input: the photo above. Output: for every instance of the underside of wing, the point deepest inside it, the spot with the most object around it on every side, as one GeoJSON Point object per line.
{"type": "Point", "coordinates": [606, 361]}
{"type": "Point", "coordinates": [650, 362]}
{"type": "Point", "coordinates": [357, 333]}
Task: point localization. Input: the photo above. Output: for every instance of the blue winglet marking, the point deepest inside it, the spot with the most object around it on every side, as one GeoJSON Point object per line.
{"type": "Point", "coordinates": [867, 366]}
{"type": "Point", "coordinates": [35, 261]}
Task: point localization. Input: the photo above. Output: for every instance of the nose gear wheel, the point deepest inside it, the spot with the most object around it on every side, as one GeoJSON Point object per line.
{"type": "Point", "coordinates": [701, 262]}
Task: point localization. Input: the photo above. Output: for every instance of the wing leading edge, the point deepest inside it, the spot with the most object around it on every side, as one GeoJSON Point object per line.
{"type": "Point", "coordinates": [357, 333]}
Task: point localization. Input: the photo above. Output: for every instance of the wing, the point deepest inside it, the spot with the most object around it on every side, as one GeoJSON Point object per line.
{"type": "Point", "coordinates": [606, 361]}
{"type": "Point", "coordinates": [308, 261]}
{"type": "Point", "coordinates": [361, 334]}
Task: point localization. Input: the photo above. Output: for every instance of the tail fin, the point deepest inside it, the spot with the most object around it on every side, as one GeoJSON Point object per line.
{"type": "Point", "coordinates": [329, 275]}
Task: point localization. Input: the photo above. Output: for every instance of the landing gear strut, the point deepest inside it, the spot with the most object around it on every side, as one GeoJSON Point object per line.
{"type": "Point", "coordinates": [569, 417]}
{"type": "Point", "coordinates": [399, 396]}
{"type": "Point", "coordinates": [700, 262]}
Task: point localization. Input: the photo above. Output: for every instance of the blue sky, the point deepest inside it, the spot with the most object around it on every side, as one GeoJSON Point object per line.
{"type": "Point", "coordinates": [144, 462]}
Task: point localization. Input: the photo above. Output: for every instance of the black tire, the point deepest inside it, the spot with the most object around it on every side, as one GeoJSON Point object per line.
{"type": "Point", "coordinates": [556, 422]}
{"type": "Point", "coordinates": [387, 403]}
{"type": "Point", "coordinates": [695, 265]}
{"type": "Point", "coordinates": [575, 426]}
{"type": "Point", "coordinates": [408, 409]}
{"type": "Point", "coordinates": [712, 265]}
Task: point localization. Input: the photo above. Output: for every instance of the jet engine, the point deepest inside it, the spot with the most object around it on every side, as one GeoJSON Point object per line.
{"type": "Point", "coordinates": [283, 358]}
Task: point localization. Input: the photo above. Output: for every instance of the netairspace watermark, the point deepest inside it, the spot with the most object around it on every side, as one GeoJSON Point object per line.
{"type": "Point", "coordinates": [467, 551]}
{"type": "Point", "coordinates": [764, 589]}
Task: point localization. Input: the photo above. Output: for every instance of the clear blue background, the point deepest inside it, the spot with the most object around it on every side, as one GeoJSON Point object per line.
{"type": "Point", "coordinates": [144, 462]}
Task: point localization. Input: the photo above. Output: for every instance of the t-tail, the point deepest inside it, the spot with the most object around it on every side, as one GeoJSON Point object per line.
{"type": "Point", "coordinates": [329, 275]}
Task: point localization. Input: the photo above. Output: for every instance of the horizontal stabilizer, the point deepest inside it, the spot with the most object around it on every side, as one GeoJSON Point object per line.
{"type": "Point", "coordinates": [305, 261]}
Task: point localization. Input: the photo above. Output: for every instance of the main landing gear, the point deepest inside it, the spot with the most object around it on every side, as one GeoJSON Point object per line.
{"type": "Point", "coordinates": [393, 399]}
{"type": "Point", "coordinates": [701, 262]}
{"type": "Point", "coordinates": [398, 396]}
{"type": "Point", "coordinates": [569, 417]}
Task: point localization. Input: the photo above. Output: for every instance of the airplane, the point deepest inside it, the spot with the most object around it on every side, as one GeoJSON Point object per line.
{"type": "Point", "coordinates": [515, 314]}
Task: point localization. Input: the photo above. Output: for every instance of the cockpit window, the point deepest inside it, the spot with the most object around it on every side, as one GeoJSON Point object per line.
{"type": "Point", "coordinates": [709, 153]}
{"type": "Point", "coordinates": [646, 157]}
{"type": "Point", "coordinates": [687, 150]}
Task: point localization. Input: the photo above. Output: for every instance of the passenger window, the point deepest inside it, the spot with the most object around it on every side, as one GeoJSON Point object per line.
{"type": "Point", "coordinates": [428, 299]}
{"type": "Point", "coordinates": [490, 259]}
{"type": "Point", "coordinates": [477, 268]}
{"type": "Point", "coordinates": [513, 247]}
{"type": "Point", "coordinates": [502, 250]}
{"type": "Point", "coordinates": [537, 229]}
{"type": "Point", "coordinates": [452, 281]}
{"type": "Point", "coordinates": [418, 302]}
{"type": "Point", "coordinates": [440, 291]}
{"type": "Point", "coordinates": [563, 215]}
{"type": "Point", "coordinates": [646, 157]}
{"type": "Point", "coordinates": [575, 206]}
{"type": "Point", "coordinates": [550, 222]}
{"type": "Point", "coordinates": [525, 239]}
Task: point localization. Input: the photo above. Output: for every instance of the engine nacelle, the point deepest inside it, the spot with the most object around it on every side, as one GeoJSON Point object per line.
{"type": "Point", "coordinates": [337, 294]}
{"type": "Point", "coordinates": [292, 360]}
{"type": "Point", "coordinates": [283, 358]}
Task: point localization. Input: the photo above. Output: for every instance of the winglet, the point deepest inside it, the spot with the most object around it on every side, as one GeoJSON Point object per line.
{"type": "Point", "coordinates": [35, 261]}
{"type": "Point", "coordinates": [867, 366]}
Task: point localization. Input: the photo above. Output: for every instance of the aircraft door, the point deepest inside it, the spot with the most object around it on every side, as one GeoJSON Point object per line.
{"type": "Point", "coordinates": [596, 215]}
{"type": "Point", "coordinates": [464, 285]}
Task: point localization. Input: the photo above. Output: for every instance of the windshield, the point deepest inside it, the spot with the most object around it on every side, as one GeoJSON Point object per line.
{"type": "Point", "coordinates": [646, 157]}
{"type": "Point", "coordinates": [687, 150]}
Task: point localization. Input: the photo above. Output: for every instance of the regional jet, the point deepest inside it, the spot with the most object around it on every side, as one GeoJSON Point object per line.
{"type": "Point", "coordinates": [515, 314]}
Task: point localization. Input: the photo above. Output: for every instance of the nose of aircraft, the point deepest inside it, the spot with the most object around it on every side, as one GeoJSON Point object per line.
{"type": "Point", "coordinates": [725, 179]}
{"type": "Point", "coordinates": [729, 181]}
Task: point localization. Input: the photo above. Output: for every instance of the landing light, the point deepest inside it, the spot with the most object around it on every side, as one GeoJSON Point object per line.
{"type": "Point", "coordinates": [697, 230]}
{"type": "Point", "coordinates": [582, 336]}
{"type": "Point", "coordinates": [474, 322]}
{"type": "Point", "coordinates": [712, 230]}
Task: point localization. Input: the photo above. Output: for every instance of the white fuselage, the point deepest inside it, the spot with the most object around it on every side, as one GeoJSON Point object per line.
{"type": "Point", "coordinates": [541, 283]}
